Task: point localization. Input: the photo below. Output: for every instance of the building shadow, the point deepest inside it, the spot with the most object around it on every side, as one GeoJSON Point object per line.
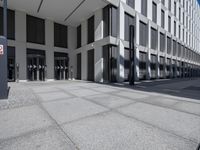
{"type": "Point", "coordinates": [160, 86]}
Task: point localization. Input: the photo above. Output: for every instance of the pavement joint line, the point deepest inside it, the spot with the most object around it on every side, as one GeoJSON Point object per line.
{"type": "Point", "coordinates": [66, 135]}
{"type": "Point", "coordinates": [154, 126]}
{"type": "Point", "coordinates": [57, 100]}
{"type": "Point", "coordinates": [142, 100]}
{"type": "Point", "coordinates": [168, 107]}
{"type": "Point", "coordinates": [38, 130]}
{"type": "Point", "coordinates": [132, 102]}
{"type": "Point", "coordinates": [74, 95]}
{"type": "Point", "coordinates": [86, 117]}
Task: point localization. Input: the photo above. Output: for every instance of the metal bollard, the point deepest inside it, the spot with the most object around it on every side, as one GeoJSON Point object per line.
{"type": "Point", "coordinates": [17, 73]}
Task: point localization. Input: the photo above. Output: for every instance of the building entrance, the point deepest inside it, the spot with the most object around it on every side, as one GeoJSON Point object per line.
{"type": "Point", "coordinates": [61, 67]}
{"type": "Point", "coordinates": [36, 65]}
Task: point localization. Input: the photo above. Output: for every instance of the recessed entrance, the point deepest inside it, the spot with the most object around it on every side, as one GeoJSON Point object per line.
{"type": "Point", "coordinates": [61, 67]}
{"type": "Point", "coordinates": [36, 65]}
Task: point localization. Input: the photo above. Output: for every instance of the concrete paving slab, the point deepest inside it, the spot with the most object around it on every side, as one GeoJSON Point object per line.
{"type": "Point", "coordinates": [109, 100]}
{"type": "Point", "coordinates": [21, 120]}
{"type": "Point", "coordinates": [72, 109]}
{"type": "Point", "coordinates": [179, 123]}
{"type": "Point", "coordinates": [83, 92]}
{"type": "Point", "coordinates": [105, 89]}
{"type": "Point", "coordinates": [111, 131]}
{"type": "Point", "coordinates": [160, 101]}
{"type": "Point", "coordinates": [132, 95]}
{"type": "Point", "coordinates": [42, 89]}
{"type": "Point", "coordinates": [53, 96]}
{"type": "Point", "coordinates": [188, 107]}
{"type": "Point", "coordinates": [47, 139]}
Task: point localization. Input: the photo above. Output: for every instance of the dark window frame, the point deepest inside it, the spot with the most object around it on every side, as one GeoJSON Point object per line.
{"type": "Point", "coordinates": [60, 35]}
{"type": "Point", "coordinates": [79, 34]}
{"type": "Point", "coordinates": [10, 23]}
{"type": "Point", "coordinates": [90, 30]}
{"type": "Point", "coordinates": [35, 30]}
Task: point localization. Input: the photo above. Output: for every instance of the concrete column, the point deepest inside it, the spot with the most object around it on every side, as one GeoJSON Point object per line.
{"type": "Point", "coordinates": [98, 64]}
{"type": "Point", "coordinates": [98, 58]}
{"type": "Point", "coordinates": [20, 34]}
{"type": "Point", "coordinates": [149, 53]}
{"type": "Point", "coordinates": [120, 67]}
{"type": "Point", "coordinates": [158, 56]}
{"type": "Point", "coordinates": [137, 49]}
{"type": "Point", "coordinates": [49, 37]}
{"type": "Point", "coordinates": [98, 25]}
{"type": "Point", "coordinates": [84, 65]}
{"type": "Point", "coordinates": [84, 33]}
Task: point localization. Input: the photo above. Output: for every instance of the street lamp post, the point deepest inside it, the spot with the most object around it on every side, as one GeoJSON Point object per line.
{"type": "Point", "coordinates": [131, 55]}
{"type": "Point", "coordinates": [3, 56]}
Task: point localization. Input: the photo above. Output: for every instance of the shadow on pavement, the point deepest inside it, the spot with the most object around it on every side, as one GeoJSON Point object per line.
{"type": "Point", "coordinates": [167, 86]}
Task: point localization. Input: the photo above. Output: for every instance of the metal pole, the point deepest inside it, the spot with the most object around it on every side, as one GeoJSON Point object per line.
{"type": "Point", "coordinates": [5, 19]}
{"type": "Point", "coordinates": [3, 56]}
{"type": "Point", "coordinates": [131, 55]}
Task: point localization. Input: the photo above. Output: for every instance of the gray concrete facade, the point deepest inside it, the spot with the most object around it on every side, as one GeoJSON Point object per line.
{"type": "Point", "coordinates": [189, 39]}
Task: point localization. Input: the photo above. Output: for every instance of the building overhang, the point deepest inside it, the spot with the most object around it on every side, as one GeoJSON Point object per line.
{"type": "Point", "coordinates": [69, 12]}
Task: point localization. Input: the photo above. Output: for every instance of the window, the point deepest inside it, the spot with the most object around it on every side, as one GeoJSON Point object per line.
{"type": "Point", "coordinates": [143, 34]}
{"type": "Point", "coordinates": [90, 30]}
{"type": "Point", "coordinates": [35, 30]}
{"type": "Point", "coordinates": [162, 18]}
{"type": "Point", "coordinates": [169, 23]}
{"type": "Point", "coordinates": [179, 31]}
{"type": "Point", "coordinates": [154, 39]}
{"type": "Point", "coordinates": [144, 7]}
{"type": "Point", "coordinates": [153, 66]}
{"type": "Point", "coordinates": [142, 64]}
{"type": "Point", "coordinates": [174, 28]}
{"type": "Point", "coordinates": [131, 3]}
{"type": "Point", "coordinates": [169, 5]}
{"type": "Point", "coordinates": [60, 35]}
{"type": "Point", "coordinates": [79, 36]}
{"type": "Point", "coordinates": [179, 49]}
{"type": "Point", "coordinates": [183, 18]}
{"type": "Point", "coordinates": [162, 42]}
{"type": "Point", "coordinates": [179, 13]}
{"type": "Point", "coordinates": [10, 23]}
{"type": "Point", "coordinates": [169, 46]}
{"type": "Point", "coordinates": [154, 12]}
{"type": "Point", "coordinates": [110, 21]}
{"type": "Point", "coordinates": [175, 9]}
{"type": "Point", "coordinates": [129, 20]}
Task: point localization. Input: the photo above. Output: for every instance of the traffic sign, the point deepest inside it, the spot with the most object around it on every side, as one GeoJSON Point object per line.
{"type": "Point", "coordinates": [1, 50]}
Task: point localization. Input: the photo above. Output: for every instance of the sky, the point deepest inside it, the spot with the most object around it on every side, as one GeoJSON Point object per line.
{"type": "Point", "coordinates": [198, 1]}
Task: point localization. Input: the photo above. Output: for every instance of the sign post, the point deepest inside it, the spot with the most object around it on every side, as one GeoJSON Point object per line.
{"type": "Point", "coordinates": [3, 56]}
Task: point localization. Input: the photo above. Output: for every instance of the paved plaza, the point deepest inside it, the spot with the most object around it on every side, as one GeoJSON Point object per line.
{"type": "Point", "coordinates": [69, 115]}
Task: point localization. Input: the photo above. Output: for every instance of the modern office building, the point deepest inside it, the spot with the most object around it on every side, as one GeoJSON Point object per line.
{"type": "Point", "coordinates": [89, 39]}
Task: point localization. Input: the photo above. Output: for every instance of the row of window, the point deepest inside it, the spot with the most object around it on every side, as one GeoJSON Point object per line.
{"type": "Point", "coordinates": [154, 14]}
{"type": "Point", "coordinates": [35, 30]}
{"type": "Point", "coordinates": [109, 23]}
{"type": "Point", "coordinates": [144, 8]}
